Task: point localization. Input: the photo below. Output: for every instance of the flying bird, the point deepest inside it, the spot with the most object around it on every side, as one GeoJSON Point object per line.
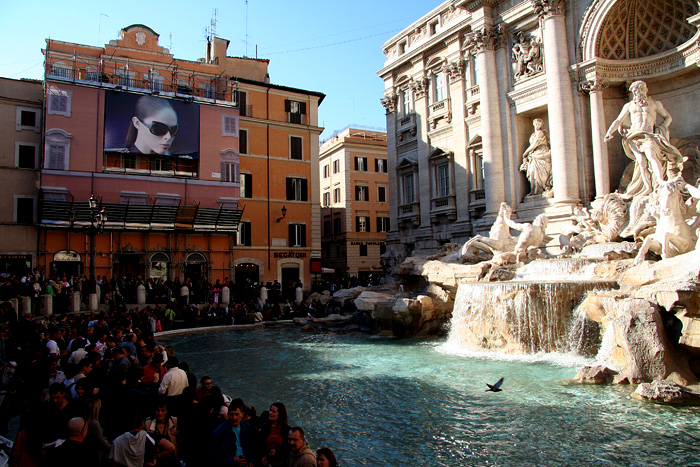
{"type": "Point", "coordinates": [495, 387]}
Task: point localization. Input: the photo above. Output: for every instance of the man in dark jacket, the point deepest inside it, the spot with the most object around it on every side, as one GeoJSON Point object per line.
{"type": "Point", "coordinates": [233, 442]}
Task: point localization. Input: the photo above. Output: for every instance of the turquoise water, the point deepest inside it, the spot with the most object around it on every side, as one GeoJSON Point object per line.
{"type": "Point", "coordinates": [412, 402]}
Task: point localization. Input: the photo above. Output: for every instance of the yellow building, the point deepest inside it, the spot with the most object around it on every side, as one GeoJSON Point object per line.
{"type": "Point", "coordinates": [355, 204]}
{"type": "Point", "coordinates": [20, 148]}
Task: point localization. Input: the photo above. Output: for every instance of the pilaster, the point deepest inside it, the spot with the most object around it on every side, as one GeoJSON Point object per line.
{"type": "Point", "coordinates": [601, 162]}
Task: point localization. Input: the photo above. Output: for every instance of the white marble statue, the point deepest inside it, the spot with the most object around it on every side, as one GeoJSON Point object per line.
{"type": "Point", "coordinates": [673, 235]}
{"type": "Point", "coordinates": [499, 240]}
{"type": "Point", "coordinates": [646, 142]}
{"type": "Point", "coordinates": [532, 236]}
{"type": "Point", "coordinates": [537, 161]}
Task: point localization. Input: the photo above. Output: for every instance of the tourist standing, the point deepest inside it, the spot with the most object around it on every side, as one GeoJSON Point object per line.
{"type": "Point", "coordinates": [300, 454]}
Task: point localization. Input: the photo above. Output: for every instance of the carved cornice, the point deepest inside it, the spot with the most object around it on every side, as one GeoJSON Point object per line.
{"type": "Point", "coordinates": [389, 102]}
{"type": "Point", "coordinates": [488, 38]}
{"type": "Point", "coordinates": [523, 96]}
{"type": "Point", "coordinates": [594, 85]}
{"type": "Point", "coordinates": [547, 8]}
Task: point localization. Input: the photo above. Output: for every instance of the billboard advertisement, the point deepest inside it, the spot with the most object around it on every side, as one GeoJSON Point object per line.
{"type": "Point", "coordinates": [145, 124]}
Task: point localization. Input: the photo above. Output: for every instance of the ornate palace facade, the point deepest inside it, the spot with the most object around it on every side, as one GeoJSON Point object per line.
{"type": "Point", "coordinates": [464, 84]}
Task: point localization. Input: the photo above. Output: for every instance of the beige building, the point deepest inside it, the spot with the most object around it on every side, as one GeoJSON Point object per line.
{"type": "Point", "coordinates": [464, 84]}
{"type": "Point", "coordinates": [354, 202]}
{"type": "Point", "coordinates": [20, 148]}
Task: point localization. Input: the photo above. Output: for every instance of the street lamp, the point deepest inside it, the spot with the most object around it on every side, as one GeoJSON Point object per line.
{"type": "Point", "coordinates": [98, 217]}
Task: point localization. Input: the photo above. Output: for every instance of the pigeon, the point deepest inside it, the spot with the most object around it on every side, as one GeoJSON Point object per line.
{"type": "Point", "coordinates": [495, 387]}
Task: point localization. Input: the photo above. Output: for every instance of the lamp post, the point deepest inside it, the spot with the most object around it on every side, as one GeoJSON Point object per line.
{"type": "Point", "coordinates": [98, 217]}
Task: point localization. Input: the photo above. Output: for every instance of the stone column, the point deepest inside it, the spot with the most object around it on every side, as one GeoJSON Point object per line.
{"type": "Point", "coordinates": [421, 87]}
{"type": "Point", "coordinates": [75, 300]}
{"type": "Point", "coordinates": [225, 296]}
{"type": "Point", "coordinates": [263, 294]}
{"type": "Point", "coordinates": [456, 74]}
{"type": "Point", "coordinates": [562, 130]}
{"type": "Point", "coordinates": [141, 294]}
{"type": "Point", "coordinates": [46, 305]}
{"type": "Point", "coordinates": [389, 102]}
{"type": "Point", "coordinates": [483, 43]}
{"type": "Point", "coordinates": [26, 305]}
{"type": "Point", "coordinates": [601, 162]}
{"type": "Point", "coordinates": [93, 302]}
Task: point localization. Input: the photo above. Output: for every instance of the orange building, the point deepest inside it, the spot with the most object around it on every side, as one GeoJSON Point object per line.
{"type": "Point", "coordinates": [156, 140]}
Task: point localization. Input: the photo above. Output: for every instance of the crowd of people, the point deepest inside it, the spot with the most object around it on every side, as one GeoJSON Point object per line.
{"type": "Point", "coordinates": [96, 389]}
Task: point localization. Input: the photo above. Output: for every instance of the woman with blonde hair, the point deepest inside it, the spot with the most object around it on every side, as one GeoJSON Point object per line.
{"type": "Point", "coordinates": [95, 444]}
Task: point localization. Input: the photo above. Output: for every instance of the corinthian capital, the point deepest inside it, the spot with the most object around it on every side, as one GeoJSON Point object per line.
{"type": "Point", "coordinates": [488, 38]}
{"type": "Point", "coordinates": [455, 70]}
{"type": "Point", "coordinates": [594, 85]}
{"type": "Point", "coordinates": [389, 102]}
{"type": "Point", "coordinates": [547, 8]}
{"type": "Point", "coordinates": [419, 87]}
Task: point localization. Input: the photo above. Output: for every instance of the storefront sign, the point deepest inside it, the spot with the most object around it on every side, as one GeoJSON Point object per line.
{"type": "Point", "coordinates": [66, 256]}
{"type": "Point", "coordinates": [367, 243]}
{"type": "Point", "coordinates": [289, 254]}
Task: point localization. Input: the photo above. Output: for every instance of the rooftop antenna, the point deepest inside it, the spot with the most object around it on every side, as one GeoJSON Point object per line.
{"type": "Point", "coordinates": [99, 28]}
{"type": "Point", "coordinates": [210, 32]}
{"type": "Point", "coordinates": [171, 43]}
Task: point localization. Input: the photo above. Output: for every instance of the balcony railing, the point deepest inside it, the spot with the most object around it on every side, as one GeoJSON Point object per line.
{"type": "Point", "coordinates": [409, 213]}
{"type": "Point", "coordinates": [477, 196]}
{"type": "Point", "coordinates": [444, 206]}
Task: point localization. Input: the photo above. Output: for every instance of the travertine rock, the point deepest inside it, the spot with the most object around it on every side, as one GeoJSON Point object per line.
{"type": "Point", "coordinates": [598, 374]}
{"type": "Point", "coordinates": [666, 391]}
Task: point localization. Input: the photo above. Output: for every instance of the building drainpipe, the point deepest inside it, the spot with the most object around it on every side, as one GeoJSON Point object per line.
{"type": "Point", "coordinates": [267, 148]}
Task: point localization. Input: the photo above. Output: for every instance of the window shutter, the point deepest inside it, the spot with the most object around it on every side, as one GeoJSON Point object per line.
{"type": "Point", "coordinates": [368, 224]}
{"type": "Point", "coordinates": [302, 106]}
{"type": "Point", "coordinates": [302, 232]}
{"type": "Point", "coordinates": [290, 189]}
{"type": "Point", "coordinates": [376, 165]}
{"type": "Point", "coordinates": [364, 163]}
{"type": "Point", "coordinates": [379, 224]}
{"type": "Point", "coordinates": [357, 163]}
{"type": "Point", "coordinates": [357, 224]}
{"type": "Point", "coordinates": [357, 193]}
{"type": "Point", "coordinates": [287, 105]}
{"type": "Point", "coordinates": [304, 190]}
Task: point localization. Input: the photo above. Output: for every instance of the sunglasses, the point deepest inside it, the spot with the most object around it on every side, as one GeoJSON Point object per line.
{"type": "Point", "coordinates": [161, 129]}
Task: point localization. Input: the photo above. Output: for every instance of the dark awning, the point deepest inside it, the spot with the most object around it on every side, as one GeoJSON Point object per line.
{"type": "Point", "coordinates": [76, 214]}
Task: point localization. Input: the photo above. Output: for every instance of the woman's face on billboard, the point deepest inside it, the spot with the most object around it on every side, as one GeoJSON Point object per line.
{"type": "Point", "coordinates": [156, 132]}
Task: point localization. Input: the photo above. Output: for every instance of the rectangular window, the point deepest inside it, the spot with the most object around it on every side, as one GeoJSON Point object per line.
{"type": "Point", "coordinates": [59, 102]}
{"type": "Point", "coordinates": [163, 164]}
{"type": "Point", "coordinates": [327, 198]}
{"type": "Point", "coordinates": [246, 185]}
{"type": "Point", "coordinates": [336, 166]}
{"type": "Point", "coordinates": [297, 189]}
{"type": "Point", "coordinates": [24, 210]}
{"type": "Point", "coordinates": [382, 224]}
{"type": "Point", "coordinates": [130, 161]}
{"type": "Point", "coordinates": [408, 189]}
{"type": "Point", "coordinates": [402, 48]}
{"type": "Point", "coordinates": [295, 147]}
{"type": "Point", "coordinates": [296, 110]}
{"type": "Point", "coordinates": [405, 102]}
{"type": "Point", "coordinates": [243, 141]}
{"type": "Point", "coordinates": [361, 164]}
{"type": "Point", "coordinates": [326, 171]}
{"type": "Point", "coordinates": [381, 194]}
{"type": "Point", "coordinates": [229, 172]}
{"type": "Point", "coordinates": [337, 226]}
{"type": "Point", "coordinates": [380, 165]}
{"type": "Point", "coordinates": [326, 228]}
{"type": "Point", "coordinates": [362, 224]}
{"type": "Point", "coordinates": [27, 119]}
{"type": "Point", "coordinates": [26, 156]}
{"type": "Point", "coordinates": [438, 87]}
{"type": "Point", "coordinates": [361, 193]}
{"type": "Point", "coordinates": [363, 249]}
{"type": "Point", "coordinates": [297, 235]}
{"type": "Point", "coordinates": [56, 157]}
{"type": "Point", "coordinates": [336, 195]}
{"type": "Point", "coordinates": [433, 28]}
{"type": "Point", "coordinates": [229, 125]}
{"type": "Point", "coordinates": [243, 237]}
{"type": "Point", "coordinates": [443, 180]}
{"type": "Point", "coordinates": [240, 99]}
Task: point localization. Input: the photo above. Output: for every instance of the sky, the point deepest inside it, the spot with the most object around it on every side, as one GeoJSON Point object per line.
{"type": "Point", "coordinates": [317, 45]}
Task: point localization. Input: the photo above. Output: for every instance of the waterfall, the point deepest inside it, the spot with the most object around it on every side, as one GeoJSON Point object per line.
{"type": "Point", "coordinates": [518, 316]}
